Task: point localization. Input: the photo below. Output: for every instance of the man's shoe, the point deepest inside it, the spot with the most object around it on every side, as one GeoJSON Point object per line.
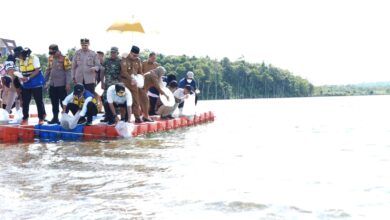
{"type": "Point", "coordinates": [110, 122]}
{"type": "Point", "coordinates": [147, 119]}
{"type": "Point", "coordinates": [170, 117]}
{"type": "Point", "coordinates": [41, 121]}
{"type": "Point", "coordinates": [164, 117]}
{"type": "Point", "coordinates": [54, 121]}
{"type": "Point", "coordinates": [104, 120]}
{"type": "Point", "coordinates": [89, 123]}
{"type": "Point", "coordinates": [82, 120]}
{"type": "Point", "coordinates": [24, 122]}
{"type": "Point", "coordinates": [137, 120]}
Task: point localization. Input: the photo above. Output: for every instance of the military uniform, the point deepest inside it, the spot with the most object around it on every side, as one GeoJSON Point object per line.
{"type": "Point", "coordinates": [82, 63]}
{"type": "Point", "coordinates": [58, 76]}
{"type": "Point", "coordinates": [112, 71]}
{"type": "Point", "coordinates": [131, 67]}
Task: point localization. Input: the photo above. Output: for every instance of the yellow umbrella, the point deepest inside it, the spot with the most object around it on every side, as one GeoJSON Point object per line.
{"type": "Point", "coordinates": [126, 26]}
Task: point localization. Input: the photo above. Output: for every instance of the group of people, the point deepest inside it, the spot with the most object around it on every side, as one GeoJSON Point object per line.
{"type": "Point", "coordinates": [130, 86]}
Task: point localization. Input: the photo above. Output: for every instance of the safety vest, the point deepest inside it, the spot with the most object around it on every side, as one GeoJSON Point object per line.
{"type": "Point", "coordinates": [80, 101]}
{"type": "Point", "coordinates": [30, 66]}
{"type": "Point", "coordinates": [66, 62]}
{"type": "Point", "coordinates": [26, 70]}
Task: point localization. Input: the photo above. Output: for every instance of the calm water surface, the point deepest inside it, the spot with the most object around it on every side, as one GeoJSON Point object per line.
{"type": "Point", "coordinates": [299, 158]}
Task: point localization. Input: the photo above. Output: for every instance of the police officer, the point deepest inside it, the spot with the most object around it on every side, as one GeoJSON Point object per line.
{"type": "Point", "coordinates": [85, 64]}
{"type": "Point", "coordinates": [58, 79]}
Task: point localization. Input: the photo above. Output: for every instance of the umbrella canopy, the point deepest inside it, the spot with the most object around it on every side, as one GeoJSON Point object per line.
{"type": "Point", "coordinates": [126, 26]}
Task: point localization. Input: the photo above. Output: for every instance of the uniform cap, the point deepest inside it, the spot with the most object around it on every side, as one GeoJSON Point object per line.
{"type": "Point", "coordinates": [84, 41]}
{"type": "Point", "coordinates": [114, 49]}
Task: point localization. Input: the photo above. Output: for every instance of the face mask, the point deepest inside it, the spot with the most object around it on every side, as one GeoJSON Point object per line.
{"type": "Point", "coordinates": [121, 93]}
{"type": "Point", "coordinates": [189, 80]}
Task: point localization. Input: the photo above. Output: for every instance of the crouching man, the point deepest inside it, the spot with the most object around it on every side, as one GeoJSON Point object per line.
{"type": "Point", "coordinates": [118, 97]}
{"type": "Point", "coordinates": [81, 100]}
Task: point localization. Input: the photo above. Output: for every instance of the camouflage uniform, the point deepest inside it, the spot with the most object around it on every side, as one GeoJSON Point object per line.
{"type": "Point", "coordinates": [112, 71]}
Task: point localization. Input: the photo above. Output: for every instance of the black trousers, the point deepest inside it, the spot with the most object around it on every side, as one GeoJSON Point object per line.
{"type": "Point", "coordinates": [91, 110]}
{"type": "Point", "coordinates": [57, 95]}
{"type": "Point", "coordinates": [37, 93]}
{"type": "Point", "coordinates": [109, 116]}
{"type": "Point", "coordinates": [90, 87]}
{"type": "Point", "coordinates": [152, 105]}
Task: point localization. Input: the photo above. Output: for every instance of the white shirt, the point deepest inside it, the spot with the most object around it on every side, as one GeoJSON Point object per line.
{"type": "Point", "coordinates": [113, 97]}
{"type": "Point", "coordinates": [69, 99]}
{"type": "Point", "coordinates": [179, 93]}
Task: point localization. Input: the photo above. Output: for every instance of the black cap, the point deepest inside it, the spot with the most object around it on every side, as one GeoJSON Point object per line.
{"type": "Point", "coordinates": [134, 49]}
{"type": "Point", "coordinates": [53, 47]}
{"type": "Point", "coordinates": [25, 52]}
{"type": "Point", "coordinates": [173, 84]}
{"type": "Point", "coordinates": [188, 87]}
{"type": "Point", "coordinates": [78, 89]}
{"type": "Point", "coordinates": [170, 78]}
{"type": "Point", "coordinates": [18, 50]}
{"type": "Point", "coordinates": [119, 87]}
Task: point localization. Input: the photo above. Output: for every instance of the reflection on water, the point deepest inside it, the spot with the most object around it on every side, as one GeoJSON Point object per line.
{"type": "Point", "coordinates": [312, 158]}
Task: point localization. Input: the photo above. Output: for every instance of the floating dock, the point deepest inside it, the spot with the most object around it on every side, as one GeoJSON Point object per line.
{"type": "Point", "coordinates": [52, 133]}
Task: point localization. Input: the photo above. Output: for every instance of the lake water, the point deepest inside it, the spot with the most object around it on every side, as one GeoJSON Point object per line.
{"type": "Point", "coordinates": [296, 158]}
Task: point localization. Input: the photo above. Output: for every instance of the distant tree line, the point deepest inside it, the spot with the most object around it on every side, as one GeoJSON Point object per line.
{"type": "Point", "coordinates": [236, 80]}
{"type": "Point", "coordinates": [224, 79]}
{"type": "Point", "coordinates": [352, 90]}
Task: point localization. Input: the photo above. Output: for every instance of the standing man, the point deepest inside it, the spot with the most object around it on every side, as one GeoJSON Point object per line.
{"type": "Point", "coordinates": [33, 82]}
{"type": "Point", "coordinates": [58, 78]}
{"type": "Point", "coordinates": [85, 64]}
{"type": "Point", "coordinates": [148, 65]}
{"type": "Point", "coordinates": [131, 66]}
{"type": "Point", "coordinates": [112, 70]}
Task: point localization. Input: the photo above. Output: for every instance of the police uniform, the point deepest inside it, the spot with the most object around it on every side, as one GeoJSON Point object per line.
{"type": "Point", "coordinates": [82, 63]}
{"type": "Point", "coordinates": [58, 76]}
